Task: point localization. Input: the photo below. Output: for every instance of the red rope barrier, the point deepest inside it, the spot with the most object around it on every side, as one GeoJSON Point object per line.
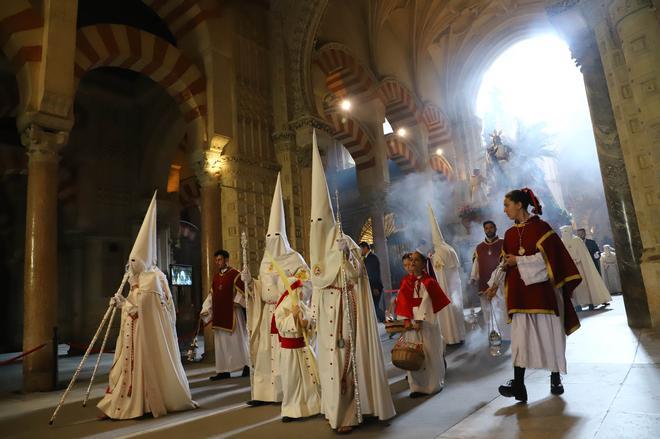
{"type": "Point", "coordinates": [21, 355]}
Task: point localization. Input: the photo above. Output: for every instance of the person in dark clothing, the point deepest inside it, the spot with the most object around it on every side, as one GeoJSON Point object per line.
{"type": "Point", "coordinates": [372, 265]}
{"type": "Point", "coordinates": [593, 248]}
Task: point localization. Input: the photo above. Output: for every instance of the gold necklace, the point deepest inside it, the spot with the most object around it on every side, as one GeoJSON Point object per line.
{"type": "Point", "coordinates": [521, 249]}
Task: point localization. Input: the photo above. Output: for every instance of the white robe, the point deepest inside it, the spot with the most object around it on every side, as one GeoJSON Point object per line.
{"type": "Point", "coordinates": [147, 361]}
{"type": "Point", "coordinates": [431, 376]}
{"type": "Point", "coordinates": [231, 348]}
{"type": "Point", "coordinates": [609, 270]}
{"type": "Point", "coordinates": [451, 318]}
{"type": "Point", "coordinates": [497, 304]}
{"type": "Point", "coordinates": [538, 341]}
{"type": "Point", "coordinates": [376, 399]}
{"type": "Point", "coordinates": [592, 290]}
{"type": "Point", "coordinates": [300, 385]}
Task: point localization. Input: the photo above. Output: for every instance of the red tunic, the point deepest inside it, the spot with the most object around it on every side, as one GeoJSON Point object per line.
{"type": "Point", "coordinates": [225, 287]}
{"type": "Point", "coordinates": [487, 262]}
{"type": "Point", "coordinates": [537, 236]}
{"type": "Point", "coordinates": [406, 300]}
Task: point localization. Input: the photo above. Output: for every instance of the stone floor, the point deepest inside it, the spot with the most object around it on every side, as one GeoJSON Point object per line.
{"type": "Point", "coordinates": [612, 391]}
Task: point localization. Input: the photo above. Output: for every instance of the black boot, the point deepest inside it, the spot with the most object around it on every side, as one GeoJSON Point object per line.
{"type": "Point", "coordinates": [556, 387]}
{"type": "Point", "coordinates": [287, 419]}
{"type": "Point", "coordinates": [515, 387]}
{"type": "Point", "coordinates": [246, 371]}
{"type": "Point", "coordinates": [257, 403]}
{"type": "Point", "coordinates": [220, 376]}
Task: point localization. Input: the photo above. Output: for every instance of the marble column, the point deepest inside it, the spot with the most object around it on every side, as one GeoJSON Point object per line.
{"type": "Point", "coordinates": [638, 32]}
{"type": "Point", "coordinates": [40, 268]}
{"type": "Point", "coordinates": [619, 198]}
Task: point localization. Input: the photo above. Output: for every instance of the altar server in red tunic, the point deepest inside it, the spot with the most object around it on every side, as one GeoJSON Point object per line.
{"type": "Point", "coordinates": [223, 307]}
{"type": "Point", "coordinates": [539, 278]}
{"type": "Point", "coordinates": [420, 299]}
{"type": "Point", "coordinates": [485, 260]}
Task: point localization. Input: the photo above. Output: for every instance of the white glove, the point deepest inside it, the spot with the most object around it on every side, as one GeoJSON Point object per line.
{"type": "Point", "coordinates": [246, 276]}
{"type": "Point", "coordinates": [118, 300]}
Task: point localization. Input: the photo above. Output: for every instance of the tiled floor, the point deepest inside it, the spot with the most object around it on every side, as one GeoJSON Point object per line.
{"type": "Point", "coordinates": [612, 391]}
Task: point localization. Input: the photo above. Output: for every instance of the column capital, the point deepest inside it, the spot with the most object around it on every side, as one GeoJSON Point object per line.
{"type": "Point", "coordinates": [207, 165]}
{"type": "Point", "coordinates": [43, 143]}
{"type": "Point", "coordinates": [308, 121]}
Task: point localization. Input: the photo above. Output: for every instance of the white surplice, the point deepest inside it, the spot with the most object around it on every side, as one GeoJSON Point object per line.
{"type": "Point", "coordinates": [300, 385]}
{"type": "Point", "coordinates": [147, 375]}
{"type": "Point", "coordinates": [376, 400]}
{"type": "Point", "coordinates": [431, 376]}
{"type": "Point", "coordinates": [538, 341]}
{"type": "Point", "coordinates": [609, 270]}
{"type": "Point", "coordinates": [497, 304]}
{"type": "Point", "coordinates": [231, 348]}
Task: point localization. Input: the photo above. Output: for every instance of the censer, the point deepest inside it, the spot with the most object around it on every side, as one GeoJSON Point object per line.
{"type": "Point", "coordinates": [191, 354]}
{"type": "Point", "coordinates": [473, 320]}
{"type": "Point", "coordinates": [494, 336]}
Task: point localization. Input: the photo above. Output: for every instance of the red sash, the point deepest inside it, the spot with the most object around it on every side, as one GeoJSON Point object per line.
{"type": "Point", "coordinates": [292, 343]}
{"type": "Point", "coordinates": [273, 326]}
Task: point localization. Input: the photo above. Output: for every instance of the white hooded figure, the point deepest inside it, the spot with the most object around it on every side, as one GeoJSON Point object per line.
{"type": "Point", "coordinates": [447, 271]}
{"type": "Point", "coordinates": [146, 375]}
{"type": "Point", "coordinates": [333, 256]}
{"type": "Point", "coordinates": [609, 270]}
{"type": "Point", "coordinates": [592, 290]}
{"type": "Point", "coordinates": [263, 295]}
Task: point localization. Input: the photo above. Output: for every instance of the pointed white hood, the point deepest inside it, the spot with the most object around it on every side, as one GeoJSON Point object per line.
{"type": "Point", "coordinates": [144, 256]}
{"type": "Point", "coordinates": [445, 255]}
{"type": "Point", "coordinates": [325, 256]}
{"type": "Point", "coordinates": [277, 242]}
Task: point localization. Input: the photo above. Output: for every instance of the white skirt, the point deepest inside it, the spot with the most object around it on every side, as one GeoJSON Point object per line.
{"type": "Point", "coordinates": [231, 348]}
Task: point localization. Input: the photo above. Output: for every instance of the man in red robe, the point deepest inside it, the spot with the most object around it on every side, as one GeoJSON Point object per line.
{"type": "Point", "coordinates": [223, 306]}
{"type": "Point", "coordinates": [485, 260]}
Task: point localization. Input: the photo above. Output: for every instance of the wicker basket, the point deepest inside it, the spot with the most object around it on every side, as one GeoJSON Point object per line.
{"type": "Point", "coordinates": [408, 355]}
{"type": "Point", "coordinates": [394, 326]}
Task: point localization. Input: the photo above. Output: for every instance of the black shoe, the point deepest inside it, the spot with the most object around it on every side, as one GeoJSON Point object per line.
{"type": "Point", "coordinates": [287, 419]}
{"type": "Point", "coordinates": [511, 389]}
{"type": "Point", "coordinates": [246, 372]}
{"type": "Point", "coordinates": [605, 304]}
{"type": "Point", "coordinates": [578, 309]}
{"type": "Point", "coordinates": [556, 389]}
{"type": "Point", "coordinates": [417, 395]}
{"type": "Point", "coordinates": [256, 403]}
{"type": "Point", "coordinates": [591, 307]}
{"type": "Point", "coordinates": [220, 376]}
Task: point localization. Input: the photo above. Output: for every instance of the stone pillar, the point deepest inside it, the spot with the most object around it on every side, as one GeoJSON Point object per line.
{"type": "Point", "coordinates": [285, 149]}
{"type": "Point", "coordinates": [615, 182]}
{"type": "Point", "coordinates": [40, 269]}
{"type": "Point", "coordinates": [207, 165]}
{"type": "Point", "coordinates": [380, 240]}
{"type": "Point", "coordinates": [639, 34]}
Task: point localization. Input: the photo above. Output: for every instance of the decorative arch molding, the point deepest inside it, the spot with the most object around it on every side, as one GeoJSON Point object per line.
{"type": "Point", "coordinates": [21, 33]}
{"type": "Point", "coordinates": [355, 138]}
{"type": "Point", "coordinates": [401, 153]}
{"type": "Point", "coordinates": [344, 74]}
{"type": "Point", "coordinates": [184, 16]}
{"type": "Point", "coordinates": [401, 105]}
{"type": "Point", "coordinates": [440, 136]}
{"type": "Point", "coordinates": [114, 45]}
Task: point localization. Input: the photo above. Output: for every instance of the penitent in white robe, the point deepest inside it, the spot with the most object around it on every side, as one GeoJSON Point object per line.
{"type": "Point", "coordinates": [451, 318]}
{"type": "Point", "coordinates": [147, 375]}
{"type": "Point", "coordinates": [300, 385]}
{"type": "Point", "coordinates": [592, 290]}
{"type": "Point", "coordinates": [609, 270]}
{"type": "Point", "coordinates": [538, 341]}
{"type": "Point", "coordinates": [497, 305]}
{"type": "Point", "coordinates": [231, 348]}
{"type": "Point", "coordinates": [431, 376]}
{"type": "Point", "coordinates": [376, 400]}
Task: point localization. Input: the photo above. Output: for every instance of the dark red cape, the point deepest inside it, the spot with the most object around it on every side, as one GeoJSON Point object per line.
{"type": "Point", "coordinates": [539, 298]}
{"type": "Point", "coordinates": [225, 286]}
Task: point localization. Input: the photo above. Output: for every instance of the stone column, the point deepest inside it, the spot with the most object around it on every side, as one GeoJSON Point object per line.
{"type": "Point", "coordinates": [207, 166]}
{"type": "Point", "coordinates": [621, 210]}
{"type": "Point", "coordinates": [638, 31]}
{"type": "Point", "coordinates": [285, 149]}
{"type": "Point", "coordinates": [40, 269]}
{"type": "Point", "coordinates": [377, 210]}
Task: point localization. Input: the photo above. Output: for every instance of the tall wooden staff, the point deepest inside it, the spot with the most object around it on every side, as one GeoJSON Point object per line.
{"type": "Point", "coordinates": [349, 316]}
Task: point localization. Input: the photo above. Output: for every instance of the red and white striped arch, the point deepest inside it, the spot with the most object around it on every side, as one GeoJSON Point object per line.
{"type": "Point", "coordinates": [184, 16]}
{"type": "Point", "coordinates": [355, 139]}
{"type": "Point", "coordinates": [344, 74]}
{"type": "Point", "coordinates": [401, 107]}
{"type": "Point", "coordinates": [114, 45]}
{"type": "Point", "coordinates": [21, 31]}
{"type": "Point", "coordinates": [439, 137]}
{"type": "Point", "coordinates": [401, 153]}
